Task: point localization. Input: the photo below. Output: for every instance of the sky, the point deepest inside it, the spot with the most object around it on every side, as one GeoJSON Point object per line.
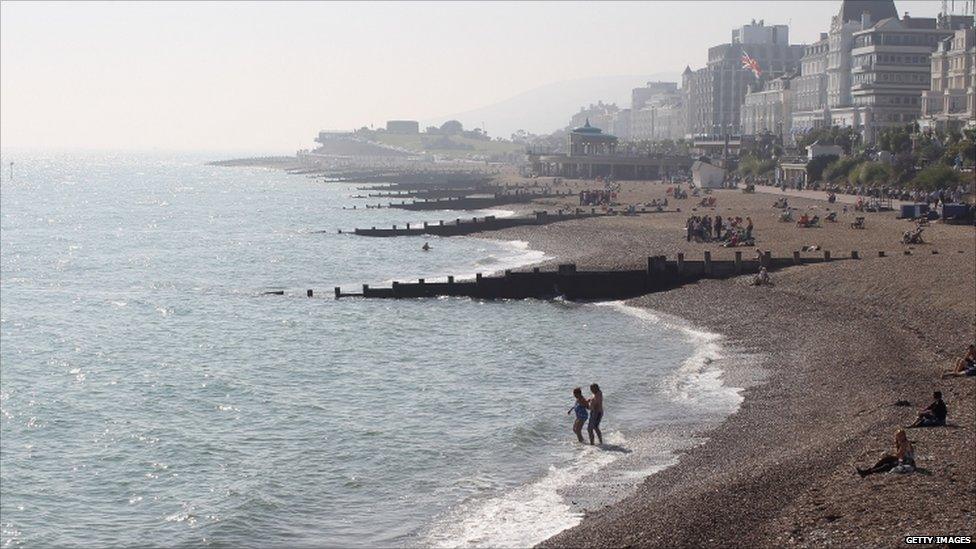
{"type": "Point", "coordinates": [262, 76]}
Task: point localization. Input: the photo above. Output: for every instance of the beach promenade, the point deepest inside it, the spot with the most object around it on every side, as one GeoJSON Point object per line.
{"type": "Point", "coordinates": [820, 195]}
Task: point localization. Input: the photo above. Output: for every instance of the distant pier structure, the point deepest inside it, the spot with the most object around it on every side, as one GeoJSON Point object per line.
{"type": "Point", "coordinates": [594, 153]}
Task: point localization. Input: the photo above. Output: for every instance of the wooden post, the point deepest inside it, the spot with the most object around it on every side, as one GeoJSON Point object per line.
{"type": "Point", "coordinates": [458, 221]}
{"type": "Point", "coordinates": [881, 253]}
{"type": "Point", "coordinates": [450, 279]}
{"type": "Point", "coordinates": [767, 259]}
{"type": "Point", "coordinates": [477, 278]}
{"type": "Point", "coordinates": [308, 293]}
{"type": "Point", "coordinates": [826, 255]}
{"type": "Point", "coordinates": [408, 226]}
{"type": "Point", "coordinates": [508, 272]}
{"type": "Point", "coordinates": [365, 288]}
{"type": "Point", "coordinates": [796, 257]}
{"type": "Point", "coordinates": [420, 281]}
{"type": "Point", "coordinates": [535, 270]}
{"type": "Point", "coordinates": [708, 263]}
{"type": "Point", "coordinates": [651, 263]}
{"type": "Point", "coordinates": [337, 292]}
{"type": "Point", "coordinates": [855, 255]}
{"type": "Point", "coordinates": [681, 263]}
{"type": "Point", "coordinates": [738, 262]}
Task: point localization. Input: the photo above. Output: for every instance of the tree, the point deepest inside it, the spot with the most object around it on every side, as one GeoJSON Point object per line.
{"type": "Point", "coordinates": [840, 170]}
{"type": "Point", "coordinates": [895, 140]}
{"type": "Point", "coordinates": [872, 174]}
{"type": "Point", "coordinates": [936, 176]}
{"type": "Point", "coordinates": [451, 127]}
{"type": "Point", "coordinates": [751, 165]}
{"type": "Point", "coordinates": [834, 135]}
{"type": "Point", "coordinates": [816, 165]}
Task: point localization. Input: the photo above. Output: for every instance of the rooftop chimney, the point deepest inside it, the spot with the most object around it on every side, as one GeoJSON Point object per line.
{"type": "Point", "coordinates": [865, 19]}
{"type": "Point", "coordinates": [823, 36]}
{"type": "Point", "coordinates": [907, 17]}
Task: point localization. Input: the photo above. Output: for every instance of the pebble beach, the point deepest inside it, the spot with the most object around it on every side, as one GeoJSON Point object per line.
{"type": "Point", "coordinates": [840, 344]}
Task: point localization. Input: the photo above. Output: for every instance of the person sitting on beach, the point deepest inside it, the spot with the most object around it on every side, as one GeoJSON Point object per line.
{"type": "Point", "coordinates": [903, 460]}
{"type": "Point", "coordinates": [933, 415]}
{"type": "Point", "coordinates": [596, 413]}
{"type": "Point", "coordinates": [762, 278]}
{"type": "Point", "coordinates": [425, 247]}
{"type": "Point", "coordinates": [581, 413]}
{"type": "Point", "coordinates": [965, 366]}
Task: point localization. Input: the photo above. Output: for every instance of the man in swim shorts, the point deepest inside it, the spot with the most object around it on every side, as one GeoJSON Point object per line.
{"type": "Point", "coordinates": [596, 413]}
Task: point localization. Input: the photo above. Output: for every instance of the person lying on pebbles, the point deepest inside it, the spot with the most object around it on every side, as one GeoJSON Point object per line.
{"type": "Point", "coordinates": [902, 461]}
{"type": "Point", "coordinates": [933, 415]}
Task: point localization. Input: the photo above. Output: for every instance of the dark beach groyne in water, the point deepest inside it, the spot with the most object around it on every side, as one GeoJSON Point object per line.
{"type": "Point", "coordinates": [460, 226]}
{"type": "Point", "coordinates": [571, 284]}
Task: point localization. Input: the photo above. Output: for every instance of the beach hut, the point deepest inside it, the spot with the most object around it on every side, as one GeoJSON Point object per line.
{"type": "Point", "coordinates": [707, 176]}
{"type": "Point", "coordinates": [911, 211]}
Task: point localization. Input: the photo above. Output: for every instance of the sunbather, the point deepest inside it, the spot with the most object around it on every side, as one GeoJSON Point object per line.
{"type": "Point", "coordinates": [965, 366]}
{"type": "Point", "coordinates": [903, 458]}
{"type": "Point", "coordinates": [934, 414]}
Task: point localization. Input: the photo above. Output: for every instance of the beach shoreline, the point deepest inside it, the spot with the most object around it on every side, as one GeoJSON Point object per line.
{"type": "Point", "coordinates": [844, 342]}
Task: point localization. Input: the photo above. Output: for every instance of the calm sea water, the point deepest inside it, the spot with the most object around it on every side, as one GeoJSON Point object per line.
{"type": "Point", "coordinates": [150, 394]}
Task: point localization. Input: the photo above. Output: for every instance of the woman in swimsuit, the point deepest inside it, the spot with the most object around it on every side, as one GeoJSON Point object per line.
{"type": "Point", "coordinates": [965, 366]}
{"type": "Point", "coordinates": [581, 413]}
{"type": "Point", "coordinates": [903, 459]}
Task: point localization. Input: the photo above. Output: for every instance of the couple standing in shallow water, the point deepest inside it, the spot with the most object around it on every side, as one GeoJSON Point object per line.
{"type": "Point", "coordinates": [592, 408]}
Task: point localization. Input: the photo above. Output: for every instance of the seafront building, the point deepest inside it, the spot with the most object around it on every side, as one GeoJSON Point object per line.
{"type": "Point", "coordinates": [657, 112]}
{"type": "Point", "coordinates": [599, 115]}
{"type": "Point", "coordinates": [809, 90]}
{"type": "Point", "coordinates": [769, 110]}
{"type": "Point", "coordinates": [714, 95]}
{"type": "Point", "coordinates": [405, 127]}
{"type": "Point", "coordinates": [950, 104]}
{"type": "Point", "coordinates": [592, 152]}
{"type": "Point", "coordinates": [870, 70]}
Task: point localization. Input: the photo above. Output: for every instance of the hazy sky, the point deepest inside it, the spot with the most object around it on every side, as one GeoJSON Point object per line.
{"type": "Point", "coordinates": [267, 76]}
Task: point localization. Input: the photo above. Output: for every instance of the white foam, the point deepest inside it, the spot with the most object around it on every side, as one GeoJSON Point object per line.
{"type": "Point", "coordinates": [515, 254]}
{"type": "Point", "coordinates": [534, 512]}
{"type": "Point", "coordinates": [699, 379]}
{"type": "Point", "coordinates": [498, 213]}
{"type": "Point", "coordinates": [526, 515]}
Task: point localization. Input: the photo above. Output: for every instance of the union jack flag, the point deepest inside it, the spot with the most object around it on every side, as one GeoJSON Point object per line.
{"type": "Point", "coordinates": [751, 64]}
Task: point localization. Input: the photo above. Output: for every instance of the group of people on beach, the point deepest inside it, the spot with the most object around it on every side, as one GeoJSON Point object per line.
{"type": "Point", "coordinates": [731, 231]}
{"type": "Point", "coordinates": [902, 460]}
{"type": "Point", "coordinates": [597, 197]}
{"type": "Point", "coordinates": [591, 409]}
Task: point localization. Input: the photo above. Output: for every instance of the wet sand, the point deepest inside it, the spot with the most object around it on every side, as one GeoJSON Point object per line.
{"type": "Point", "coordinates": [841, 343]}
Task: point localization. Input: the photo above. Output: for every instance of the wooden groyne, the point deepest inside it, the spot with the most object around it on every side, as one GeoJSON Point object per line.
{"type": "Point", "coordinates": [569, 283]}
{"type": "Point", "coordinates": [475, 203]}
{"type": "Point", "coordinates": [465, 202]}
{"type": "Point", "coordinates": [471, 225]}
{"type": "Point", "coordinates": [435, 194]}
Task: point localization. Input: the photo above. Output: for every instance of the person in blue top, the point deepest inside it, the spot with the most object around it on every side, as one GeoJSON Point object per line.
{"type": "Point", "coordinates": [580, 408]}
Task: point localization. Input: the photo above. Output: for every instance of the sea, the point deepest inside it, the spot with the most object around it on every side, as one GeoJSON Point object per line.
{"type": "Point", "coordinates": [154, 393]}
